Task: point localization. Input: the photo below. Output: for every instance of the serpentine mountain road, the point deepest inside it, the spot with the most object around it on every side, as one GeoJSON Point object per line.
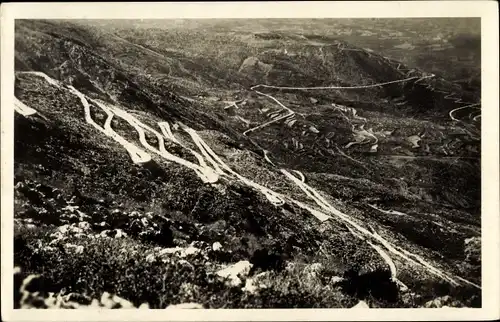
{"type": "Point", "coordinates": [218, 168]}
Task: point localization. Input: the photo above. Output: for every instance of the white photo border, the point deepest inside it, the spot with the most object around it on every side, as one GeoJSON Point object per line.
{"type": "Point", "coordinates": [490, 219]}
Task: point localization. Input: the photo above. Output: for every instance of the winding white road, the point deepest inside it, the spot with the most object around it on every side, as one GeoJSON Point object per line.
{"type": "Point", "coordinates": [207, 174]}
{"type": "Point", "coordinates": [167, 131]}
{"type": "Point", "coordinates": [137, 155]}
{"type": "Point", "coordinates": [390, 263]}
{"type": "Point", "coordinates": [461, 108]}
{"type": "Point", "coordinates": [403, 254]}
{"type": "Point", "coordinates": [448, 96]}
{"type": "Point", "coordinates": [289, 114]}
{"type": "Point", "coordinates": [302, 178]}
{"type": "Point", "coordinates": [345, 87]}
{"type": "Point", "coordinates": [322, 203]}
{"type": "Point", "coordinates": [266, 157]}
{"type": "Point", "coordinates": [273, 197]}
{"type": "Point", "coordinates": [49, 79]}
{"type": "Point", "coordinates": [22, 108]}
{"type": "Point", "coordinates": [456, 100]}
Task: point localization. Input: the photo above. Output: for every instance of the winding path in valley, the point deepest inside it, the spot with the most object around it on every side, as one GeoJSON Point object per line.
{"type": "Point", "coordinates": [274, 120]}
{"type": "Point", "coordinates": [22, 108]}
{"type": "Point", "coordinates": [449, 95]}
{"type": "Point", "coordinates": [137, 155]}
{"type": "Point", "coordinates": [323, 204]}
{"type": "Point", "coordinates": [218, 168]}
{"type": "Point", "coordinates": [345, 87]}
{"type": "Point", "coordinates": [463, 107]}
{"type": "Point", "coordinates": [363, 133]}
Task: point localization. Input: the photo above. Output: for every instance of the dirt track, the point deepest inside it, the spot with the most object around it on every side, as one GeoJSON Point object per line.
{"type": "Point", "coordinates": [218, 168]}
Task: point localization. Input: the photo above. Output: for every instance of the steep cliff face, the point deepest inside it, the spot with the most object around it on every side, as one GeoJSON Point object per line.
{"type": "Point", "coordinates": [149, 157]}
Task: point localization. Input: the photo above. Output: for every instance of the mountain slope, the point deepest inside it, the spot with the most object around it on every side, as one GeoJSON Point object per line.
{"type": "Point", "coordinates": [160, 148]}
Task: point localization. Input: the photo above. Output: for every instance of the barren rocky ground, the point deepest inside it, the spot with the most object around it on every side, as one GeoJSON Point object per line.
{"type": "Point", "coordinates": [247, 164]}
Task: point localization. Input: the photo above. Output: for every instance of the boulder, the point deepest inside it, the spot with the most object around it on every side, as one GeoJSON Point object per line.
{"type": "Point", "coordinates": [414, 140]}
{"type": "Point", "coordinates": [313, 129]}
{"type": "Point", "coordinates": [253, 284]}
{"type": "Point", "coordinates": [472, 250]}
{"type": "Point", "coordinates": [361, 305]}
{"type": "Point", "coordinates": [440, 302]}
{"type": "Point", "coordinates": [374, 148]}
{"type": "Point", "coordinates": [235, 271]}
{"type": "Point", "coordinates": [217, 246]}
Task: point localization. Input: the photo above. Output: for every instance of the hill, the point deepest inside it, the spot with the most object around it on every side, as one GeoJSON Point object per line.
{"type": "Point", "coordinates": [159, 162]}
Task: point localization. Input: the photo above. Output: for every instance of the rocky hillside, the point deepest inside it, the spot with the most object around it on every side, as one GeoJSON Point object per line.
{"type": "Point", "coordinates": [237, 169]}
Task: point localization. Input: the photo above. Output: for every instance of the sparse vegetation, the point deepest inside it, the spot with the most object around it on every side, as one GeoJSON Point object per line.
{"type": "Point", "coordinates": [91, 223]}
